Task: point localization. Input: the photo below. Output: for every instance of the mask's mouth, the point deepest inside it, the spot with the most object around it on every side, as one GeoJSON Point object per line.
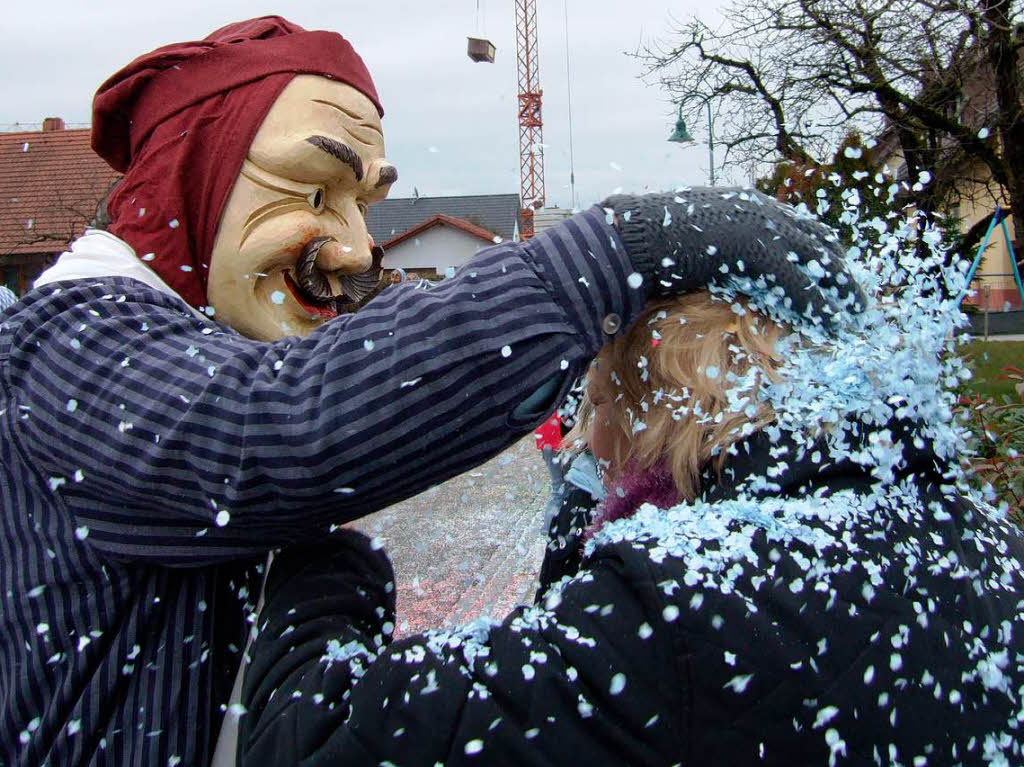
{"type": "Point", "coordinates": [327, 309]}
{"type": "Point", "coordinates": [312, 289]}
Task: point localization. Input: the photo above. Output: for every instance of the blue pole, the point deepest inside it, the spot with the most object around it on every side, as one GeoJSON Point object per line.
{"type": "Point", "coordinates": [1013, 263]}
{"type": "Point", "coordinates": [996, 218]}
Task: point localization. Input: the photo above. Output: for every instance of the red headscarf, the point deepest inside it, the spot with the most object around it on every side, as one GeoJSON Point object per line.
{"type": "Point", "coordinates": [178, 123]}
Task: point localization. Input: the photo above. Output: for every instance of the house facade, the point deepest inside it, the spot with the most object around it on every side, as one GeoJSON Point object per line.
{"type": "Point", "coordinates": [439, 245]}
{"type": "Point", "coordinates": [436, 235]}
{"type": "Point", "coordinates": [51, 183]}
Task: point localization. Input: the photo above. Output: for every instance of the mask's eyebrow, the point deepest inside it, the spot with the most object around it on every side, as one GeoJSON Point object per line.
{"type": "Point", "coordinates": [340, 151]}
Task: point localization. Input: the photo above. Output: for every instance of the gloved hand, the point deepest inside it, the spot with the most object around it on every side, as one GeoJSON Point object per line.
{"type": "Point", "coordinates": [742, 240]}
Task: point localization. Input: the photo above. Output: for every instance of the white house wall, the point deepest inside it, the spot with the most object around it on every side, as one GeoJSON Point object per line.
{"type": "Point", "coordinates": [433, 250]}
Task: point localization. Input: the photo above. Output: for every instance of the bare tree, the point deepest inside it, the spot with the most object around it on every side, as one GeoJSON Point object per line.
{"type": "Point", "coordinates": [937, 81]}
{"type": "Point", "coordinates": [67, 210]}
{"type": "Point", "coordinates": [67, 215]}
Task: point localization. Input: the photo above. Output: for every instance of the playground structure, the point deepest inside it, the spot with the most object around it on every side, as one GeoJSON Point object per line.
{"type": "Point", "coordinates": [999, 216]}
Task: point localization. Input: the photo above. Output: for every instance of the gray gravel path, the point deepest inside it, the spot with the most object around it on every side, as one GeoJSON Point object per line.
{"type": "Point", "coordinates": [470, 547]}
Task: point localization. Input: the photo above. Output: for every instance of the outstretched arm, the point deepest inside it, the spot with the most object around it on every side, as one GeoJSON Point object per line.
{"type": "Point", "coordinates": [182, 442]}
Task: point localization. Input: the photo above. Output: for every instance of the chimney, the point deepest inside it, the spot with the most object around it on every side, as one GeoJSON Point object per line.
{"type": "Point", "coordinates": [51, 124]}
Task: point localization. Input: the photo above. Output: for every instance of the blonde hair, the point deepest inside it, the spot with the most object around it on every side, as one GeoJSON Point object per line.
{"type": "Point", "coordinates": [668, 380]}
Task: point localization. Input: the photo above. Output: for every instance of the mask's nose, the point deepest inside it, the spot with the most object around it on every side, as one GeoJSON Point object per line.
{"type": "Point", "coordinates": [341, 257]}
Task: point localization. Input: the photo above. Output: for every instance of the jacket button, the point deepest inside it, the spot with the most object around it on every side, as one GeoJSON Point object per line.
{"type": "Point", "coordinates": [611, 324]}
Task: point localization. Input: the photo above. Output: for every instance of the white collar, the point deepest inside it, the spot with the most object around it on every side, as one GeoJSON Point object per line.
{"type": "Point", "coordinates": [100, 254]}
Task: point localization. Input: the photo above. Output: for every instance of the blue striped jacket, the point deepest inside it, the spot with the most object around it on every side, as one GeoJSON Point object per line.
{"type": "Point", "coordinates": [149, 459]}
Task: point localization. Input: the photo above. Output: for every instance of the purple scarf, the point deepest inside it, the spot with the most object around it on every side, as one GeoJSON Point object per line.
{"type": "Point", "coordinates": [635, 488]}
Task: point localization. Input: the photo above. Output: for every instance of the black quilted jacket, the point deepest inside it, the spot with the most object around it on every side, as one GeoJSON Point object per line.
{"type": "Point", "coordinates": [890, 636]}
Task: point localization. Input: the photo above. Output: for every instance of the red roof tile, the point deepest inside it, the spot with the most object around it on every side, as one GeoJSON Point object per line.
{"type": "Point", "coordinates": [50, 185]}
{"type": "Point", "coordinates": [441, 219]}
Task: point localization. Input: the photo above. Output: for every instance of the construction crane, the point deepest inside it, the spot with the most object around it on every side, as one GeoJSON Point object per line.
{"type": "Point", "coordinates": [531, 125]}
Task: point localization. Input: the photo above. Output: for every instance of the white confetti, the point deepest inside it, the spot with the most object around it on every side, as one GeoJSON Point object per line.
{"type": "Point", "coordinates": [825, 715]}
{"type": "Point", "coordinates": [739, 683]}
{"type": "Point", "coordinates": [222, 518]}
{"type": "Point", "coordinates": [277, 297]}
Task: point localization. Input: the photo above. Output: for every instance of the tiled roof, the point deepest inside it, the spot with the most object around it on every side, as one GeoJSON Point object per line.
{"type": "Point", "coordinates": [50, 184]}
{"type": "Point", "coordinates": [497, 213]}
{"type": "Point", "coordinates": [441, 220]}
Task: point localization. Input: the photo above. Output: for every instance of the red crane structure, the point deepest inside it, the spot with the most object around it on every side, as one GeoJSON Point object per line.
{"type": "Point", "coordinates": [531, 125]}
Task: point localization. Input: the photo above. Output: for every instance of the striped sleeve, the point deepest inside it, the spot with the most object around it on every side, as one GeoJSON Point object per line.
{"type": "Point", "coordinates": [184, 443]}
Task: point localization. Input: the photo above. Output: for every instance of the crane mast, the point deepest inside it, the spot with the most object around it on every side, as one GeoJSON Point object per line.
{"type": "Point", "coordinates": [531, 125]}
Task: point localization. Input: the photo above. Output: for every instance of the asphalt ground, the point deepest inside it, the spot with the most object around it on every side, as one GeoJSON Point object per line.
{"type": "Point", "coordinates": [469, 547]}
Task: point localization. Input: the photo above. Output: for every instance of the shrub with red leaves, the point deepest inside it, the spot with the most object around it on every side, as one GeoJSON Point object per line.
{"type": "Point", "coordinates": [999, 433]}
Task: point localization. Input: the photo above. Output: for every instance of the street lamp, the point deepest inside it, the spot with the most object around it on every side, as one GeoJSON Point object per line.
{"type": "Point", "coordinates": [681, 136]}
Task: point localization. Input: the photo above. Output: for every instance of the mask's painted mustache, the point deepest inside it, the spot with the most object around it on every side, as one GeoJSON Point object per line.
{"type": "Point", "coordinates": [315, 286]}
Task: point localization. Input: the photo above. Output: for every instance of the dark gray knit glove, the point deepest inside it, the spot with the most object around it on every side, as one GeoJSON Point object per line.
{"type": "Point", "coordinates": [740, 240]}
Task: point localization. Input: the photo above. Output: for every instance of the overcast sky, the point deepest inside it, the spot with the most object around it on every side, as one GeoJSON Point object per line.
{"type": "Point", "coordinates": [450, 125]}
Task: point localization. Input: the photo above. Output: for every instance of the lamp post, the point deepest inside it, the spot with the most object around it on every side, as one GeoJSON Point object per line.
{"type": "Point", "coordinates": [681, 136]}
